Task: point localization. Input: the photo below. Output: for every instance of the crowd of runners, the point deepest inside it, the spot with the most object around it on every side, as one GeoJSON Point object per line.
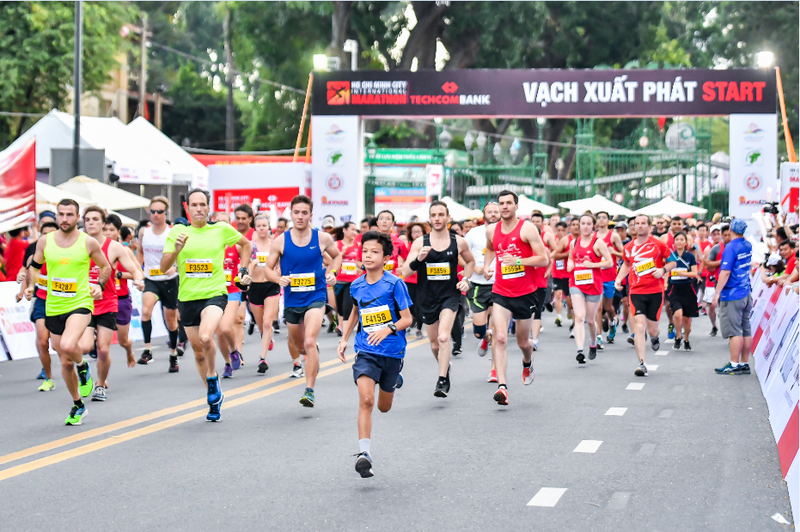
{"type": "Point", "coordinates": [596, 274]}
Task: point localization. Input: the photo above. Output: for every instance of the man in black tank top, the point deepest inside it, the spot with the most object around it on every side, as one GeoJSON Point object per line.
{"type": "Point", "coordinates": [435, 258]}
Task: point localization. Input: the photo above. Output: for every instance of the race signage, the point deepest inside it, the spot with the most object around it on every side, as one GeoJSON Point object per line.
{"type": "Point", "coordinates": [754, 164]}
{"type": "Point", "coordinates": [520, 93]}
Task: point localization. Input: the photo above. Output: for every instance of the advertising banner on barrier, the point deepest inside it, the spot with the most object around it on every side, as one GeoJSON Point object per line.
{"type": "Point", "coordinates": [17, 333]}
{"type": "Point", "coordinates": [135, 333]}
{"type": "Point", "coordinates": [790, 186]}
{"type": "Point", "coordinates": [754, 143]}
{"type": "Point", "coordinates": [535, 93]}
{"type": "Point", "coordinates": [335, 167]}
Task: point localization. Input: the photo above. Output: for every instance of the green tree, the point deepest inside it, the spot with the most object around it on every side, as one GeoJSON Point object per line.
{"type": "Point", "coordinates": [36, 55]}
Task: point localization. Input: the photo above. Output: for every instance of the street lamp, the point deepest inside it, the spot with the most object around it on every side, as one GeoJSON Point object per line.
{"type": "Point", "coordinates": [541, 121]}
{"type": "Point", "coordinates": [482, 140]}
{"type": "Point", "coordinates": [445, 138]}
{"type": "Point", "coordinates": [469, 140]}
{"type": "Point", "coordinates": [644, 141]}
{"type": "Point", "coordinates": [514, 150]}
{"type": "Point", "coordinates": [320, 62]}
{"type": "Point", "coordinates": [372, 152]}
{"type": "Point", "coordinates": [372, 149]}
{"type": "Point", "coordinates": [497, 151]}
{"type": "Point", "coordinates": [765, 59]}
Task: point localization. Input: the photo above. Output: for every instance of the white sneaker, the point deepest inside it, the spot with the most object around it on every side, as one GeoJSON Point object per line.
{"type": "Point", "coordinates": [536, 344]}
{"type": "Point", "coordinates": [297, 372]}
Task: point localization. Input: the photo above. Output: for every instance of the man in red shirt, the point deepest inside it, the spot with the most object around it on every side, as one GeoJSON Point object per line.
{"type": "Point", "coordinates": [14, 253]}
{"type": "Point", "coordinates": [644, 259]}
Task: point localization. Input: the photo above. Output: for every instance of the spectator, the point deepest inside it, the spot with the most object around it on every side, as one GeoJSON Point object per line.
{"type": "Point", "coordinates": [283, 223]}
{"type": "Point", "coordinates": [14, 252]}
{"type": "Point", "coordinates": [734, 299]}
{"type": "Point", "coordinates": [773, 269]}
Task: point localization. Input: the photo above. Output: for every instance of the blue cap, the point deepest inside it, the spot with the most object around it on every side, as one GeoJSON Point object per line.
{"type": "Point", "coordinates": [182, 221]}
{"type": "Point", "coordinates": [738, 226]}
{"type": "Point", "coordinates": [47, 214]}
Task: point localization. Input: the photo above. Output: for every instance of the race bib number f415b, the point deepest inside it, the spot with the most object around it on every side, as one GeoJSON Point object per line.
{"type": "Point", "coordinates": [303, 282]}
{"type": "Point", "coordinates": [438, 271]}
{"type": "Point", "coordinates": [198, 268]}
{"type": "Point", "coordinates": [375, 318]}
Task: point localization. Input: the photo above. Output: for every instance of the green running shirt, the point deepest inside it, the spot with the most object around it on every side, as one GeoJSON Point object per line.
{"type": "Point", "coordinates": [200, 262]}
{"type": "Point", "coordinates": [68, 272]}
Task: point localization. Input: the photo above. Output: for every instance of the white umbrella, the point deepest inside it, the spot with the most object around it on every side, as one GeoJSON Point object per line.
{"type": "Point", "coordinates": [527, 206]}
{"type": "Point", "coordinates": [594, 204]}
{"type": "Point", "coordinates": [108, 197]}
{"type": "Point", "coordinates": [670, 207]}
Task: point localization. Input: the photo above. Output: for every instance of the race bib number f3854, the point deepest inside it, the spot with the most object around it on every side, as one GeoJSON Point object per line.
{"type": "Point", "coordinates": [199, 268]}
{"type": "Point", "coordinates": [303, 282]}
{"type": "Point", "coordinates": [375, 318]}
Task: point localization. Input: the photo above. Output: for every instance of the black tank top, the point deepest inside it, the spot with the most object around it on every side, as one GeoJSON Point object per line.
{"type": "Point", "coordinates": [438, 279]}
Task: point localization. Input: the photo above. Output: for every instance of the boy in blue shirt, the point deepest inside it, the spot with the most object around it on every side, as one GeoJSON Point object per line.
{"type": "Point", "coordinates": [381, 302]}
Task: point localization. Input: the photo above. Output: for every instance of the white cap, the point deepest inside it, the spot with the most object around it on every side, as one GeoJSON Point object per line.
{"type": "Point", "coordinates": [773, 259]}
{"type": "Point", "coordinates": [715, 227]}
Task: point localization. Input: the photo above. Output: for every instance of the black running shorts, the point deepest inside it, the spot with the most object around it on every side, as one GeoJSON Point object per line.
{"type": "Point", "coordinates": [259, 292]}
{"type": "Point", "coordinates": [479, 297]}
{"type": "Point", "coordinates": [648, 305]}
{"type": "Point", "coordinates": [107, 320]}
{"type": "Point", "coordinates": [431, 315]}
{"type": "Point", "coordinates": [166, 291]}
{"type": "Point", "coordinates": [56, 324]}
{"type": "Point", "coordinates": [683, 296]}
{"type": "Point", "coordinates": [192, 310]}
{"type": "Point", "coordinates": [521, 307]}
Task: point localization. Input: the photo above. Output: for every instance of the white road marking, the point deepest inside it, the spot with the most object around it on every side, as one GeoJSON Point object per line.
{"type": "Point", "coordinates": [662, 353]}
{"type": "Point", "coordinates": [635, 386]}
{"type": "Point", "coordinates": [616, 411]}
{"type": "Point", "coordinates": [588, 446]}
{"type": "Point", "coordinates": [547, 497]}
{"type": "Point", "coordinates": [652, 368]}
{"type": "Point", "coordinates": [619, 500]}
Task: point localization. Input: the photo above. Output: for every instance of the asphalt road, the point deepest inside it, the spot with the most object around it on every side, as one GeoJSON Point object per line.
{"type": "Point", "coordinates": [691, 451]}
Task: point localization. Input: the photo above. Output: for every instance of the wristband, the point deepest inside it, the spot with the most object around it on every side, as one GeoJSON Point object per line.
{"type": "Point", "coordinates": [334, 272]}
{"type": "Point", "coordinates": [519, 262]}
{"type": "Point", "coordinates": [415, 264]}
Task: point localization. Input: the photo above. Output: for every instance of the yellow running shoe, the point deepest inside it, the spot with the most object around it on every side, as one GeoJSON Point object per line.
{"type": "Point", "coordinates": [47, 386]}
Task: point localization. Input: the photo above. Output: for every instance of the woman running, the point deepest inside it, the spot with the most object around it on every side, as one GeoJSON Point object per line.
{"type": "Point", "coordinates": [588, 254]}
{"type": "Point", "coordinates": [351, 270]}
{"type": "Point", "coordinates": [263, 295]}
{"type": "Point", "coordinates": [414, 231]}
{"type": "Point", "coordinates": [682, 294]}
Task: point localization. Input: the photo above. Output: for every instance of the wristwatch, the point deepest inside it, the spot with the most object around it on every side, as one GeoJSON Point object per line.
{"type": "Point", "coordinates": [243, 271]}
{"type": "Point", "coordinates": [393, 327]}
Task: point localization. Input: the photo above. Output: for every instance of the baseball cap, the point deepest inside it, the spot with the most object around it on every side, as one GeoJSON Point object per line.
{"type": "Point", "coordinates": [773, 259]}
{"type": "Point", "coordinates": [738, 226]}
{"type": "Point", "coordinates": [621, 225]}
{"type": "Point", "coordinates": [327, 223]}
{"type": "Point", "coordinates": [715, 227]}
{"type": "Point", "coordinates": [181, 220]}
{"type": "Point", "coordinates": [47, 214]}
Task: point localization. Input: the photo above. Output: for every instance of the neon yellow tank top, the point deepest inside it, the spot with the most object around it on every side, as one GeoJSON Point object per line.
{"type": "Point", "coordinates": [68, 272]}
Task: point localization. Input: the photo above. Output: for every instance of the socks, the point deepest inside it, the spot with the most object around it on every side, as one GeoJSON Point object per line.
{"type": "Point", "coordinates": [363, 445]}
{"type": "Point", "coordinates": [147, 330]}
{"type": "Point", "coordinates": [173, 338]}
{"type": "Point", "coordinates": [527, 364]}
{"type": "Point", "coordinates": [79, 403]}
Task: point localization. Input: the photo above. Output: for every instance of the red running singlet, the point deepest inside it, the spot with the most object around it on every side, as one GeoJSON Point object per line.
{"type": "Point", "coordinates": [109, 302]}
{"type": "Point", "coordinates": [587, 280]}
{"type": "Point", "coordinates": [512, 281]}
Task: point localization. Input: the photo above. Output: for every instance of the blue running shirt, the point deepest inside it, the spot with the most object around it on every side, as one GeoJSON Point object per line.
{"type": "Point", "coordinates": [684, 264]}
{"type": "Point", "coordinates": [379, 305]}
{"type": "Point", "coordinates": [736, 259]}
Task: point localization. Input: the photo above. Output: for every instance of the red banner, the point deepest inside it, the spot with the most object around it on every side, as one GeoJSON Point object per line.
{"type": "Point", "coordinates": [208, 160]}
{"type": "Point", "coordinates": [227, 199]}
{"type": "Point", "coordinates": [18, 186]}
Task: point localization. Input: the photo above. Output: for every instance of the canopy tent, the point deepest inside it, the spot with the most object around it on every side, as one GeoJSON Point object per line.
{"type": "Point", "coordinates": [670, 207]}
{"type": "Point", "coordinates": [527, 206]}
{"type": "Point", "coordinates": [457, 211]}
{"type": "Point", "coordinates": [595, 204]}
{"type": "Point", "coordinates": [49, 195]}
{"type": "Point", "coordinates": [109, 197]}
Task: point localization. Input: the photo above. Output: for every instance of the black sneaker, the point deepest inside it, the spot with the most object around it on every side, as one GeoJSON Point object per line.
{"type": "Point", "coordinates": [262, 366]}
{"type": "Point", "coordinates": [713, 331]}
{"type": "Point", "coordinates": [180, 348]}
{"type": "Point", "coordinates": [549, 306]}
{"type": "Point", "coordinates": [513, 327]}
{"type": "Point", "coordinates": [676, 346]}
{"type": "Point", "coordinates": [631, 341]}
{"type": "Point", "coordinates": [580, 358]}
{"type": "Point", "coordinates": [441, 388]}
{"type": "Point", "coordinates": [625, 328]}
{"type": "Point", "coordinates": [605, 324]}
{"type": "Point", "coordinates": [456, 352]}
{"type": "Point", "coordinates": [364, 465]}
{"type": "Point", "coordinates": [251, 328]}
{"type": "Point", "coordinates": [146, 357]}
{"type": "Point", "coordinates": [686, 346]}
{"type": "Point", "coordinates": [745, 369]}
{"type": "Point", "coordinates": [93, 353]}
{"type": "Point", "coordinates": [173, 364]}
{"type": "Point", "coordinates": [655, 343]}
{"type": "Point", "coordinates": [592, 352]}
{"type": "Point", "coordinates": [641, 371]}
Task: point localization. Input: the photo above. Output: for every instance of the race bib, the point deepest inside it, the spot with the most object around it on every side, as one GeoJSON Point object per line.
{"type": "Point", "coordinates": [156, 272]}
{"type": "Point", "coordinates": [584, 277]}
{"type": "Point", "coordinates": [375, 318]}
{"type": "Point", "coordinates": [512, 272]}
{"type": "Point", "coordinates": [677, 274]}
{"type": "Point", "coordinates": [42, 282]}
{"type": "Point", "coordinates": [438, 271]}
{"type": "Point", "coordinates": [389, 266]}
{"type": "Point", "coordinates": [560, 264]}
{"type": "Point", "coordinates": [64, 287]}
{"type": "Point", "coordinates": [303, 282]}
{"type": "Point", "coordinates": [117, 283]}
{"type": "Point", "coordinates": [199, 268]}
{"type": "Point", "coordinates": [349, 268]}
{"type": "Point", "coordinates": [644, 267]}
{"type": "Point", "coordinates": [262, 258]}
{"type": "Point", "coordinates": [228, 277]}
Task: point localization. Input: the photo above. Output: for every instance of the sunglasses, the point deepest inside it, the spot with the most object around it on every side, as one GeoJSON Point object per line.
{"type": "Point", "coordinates": [157, 211]}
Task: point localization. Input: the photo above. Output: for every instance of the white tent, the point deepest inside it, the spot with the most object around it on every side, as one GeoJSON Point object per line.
{"type": "Point", "coordinates": [457, 211]}
{"type": "Point", "coordinates": [108, 197]}
{"type": "Point", "coordinates": [595, 204]}
{"type": "Point", "coordinates": [49, 195]}
{"type": "Point", "coordinates": [527, 206]}
{"type": "Point", "coordinates": [670, 207]}
{"type": "Point", "coordinates": [185, 168]}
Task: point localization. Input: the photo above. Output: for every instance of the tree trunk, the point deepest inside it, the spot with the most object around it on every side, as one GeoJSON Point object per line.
{"type": "Point", "coordinates": [229, 140]}
{"type": "Point", "coordinates": [422, 40]}
{"type": "Point", "coordinates": [339, 24]}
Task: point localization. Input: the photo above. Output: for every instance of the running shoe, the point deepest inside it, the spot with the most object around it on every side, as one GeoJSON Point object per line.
{"type": "Point", "coordinates": [600, 342]}
{"type": "Point", "coordinates": [671, 331]}
{"type": "Point", "coordinates": [492, 376]}
{"type": "Point", "coordinates": [262, 366]}
{"type": "Point", "coordinates": [686, 346]}
{"type": "Point", "coordinates": [271, 345]}
{"type": "Point", "coordinates": [47, 386]}
{"type": "Point", "coordinates": [173, 364]}
{"type": "Point", "coordinates": [527, 374]}
{"type": "Point", "coordinates": [655, 343]}
{"type": "Point", "coordinates": [308, 398]}
{"type": "Point", "coordinates": [236, 359]}
{"type": "Point", "coordinates": [625, 329]}
{"type": "Point", "coordinates": [297, 372]}
{"type": "Point", "coordinates": [214, 413]}
{"type": "Point", "coordinates": [549, 306]}
{"type": "Point", "coordinates": [364, 465]}
{"type": "Point", "coordinates": [214, 394]}
{"type": "Point", "coordinates": [441, 387]}
{"type": "Point", "coordinates": [331, 326]}
{"type": "Point", "coordinates": [580, 358]}
{"type": "Point", "coordinates": [745, 369]}
{"type": "Point", "coordinates": [630, 340]}
{"type": "Point", "coordinates": [483, 347]}
{"type": "Point", "coordinates": [180, 348]}
{"type": "Point", "coordinates": [99, 393]}
{"type": "Point", "coordinates": [399, 381]}
{"type": "Point", "coordinates": [339, 331]}
{"type": "Point", "coordinates": [93, 353]}
{"type": "Point", "coordinates": [605, 324]}
{"type": "Point", "coordinates": [501, 396]}
{"type": "Point", "coordinates": [276, 329]}
{"type": "Point", "coordinates": [513, 327]}
{"type": "Point", "coordinates": [612, 333]}
{"type": "Point", "coordinates": [641, 371]}
{"type": "Point", "coordinates": [228, 373]}
{"type": "Point", "coordinates": [571, 334]}
{"type": "Point", "coordinates": [251, 328]}
{"type": "Point", "coordinates": [456, 351]}
{"type": "Point", "coordinates": [447, 379]}
{"type": "Point", "coordinates": [558, 321]}
{"type": "Point", "coordinates": [85, 382]}
{"type": "Point", "coordinates": [729, 369]}
{"type": "Point", "coordinates": [146, 357]}
{"type": "Point", "coordinates": [418, 334]}
{"type": "Point", "coordinates": [676, 346]}
{"type": "Point", "coordinates": [535, 343]}
{"type": "Point", "coordinates": [41, 376]}
{"type": "Point", "coordinates": [713, 332]}
{"type": "Point", "coordinates": [76, 415]}
{"type": "Point", "coordinates": [593, 352]}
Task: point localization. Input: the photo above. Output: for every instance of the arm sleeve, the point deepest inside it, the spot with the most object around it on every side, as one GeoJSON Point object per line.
{"type": "Point", "coordinates": [401, 296]}
{"type": "Point", "coordinates": [728, 258]}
